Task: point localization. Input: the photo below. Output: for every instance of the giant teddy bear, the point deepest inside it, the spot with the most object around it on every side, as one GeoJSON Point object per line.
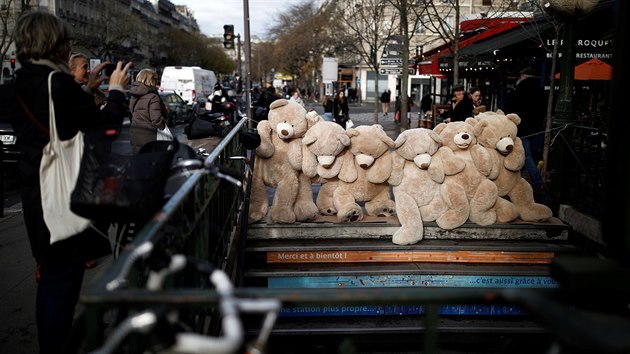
{"type": "Point", "coordinates": [278, 165]}
{"type": "Point", "coordinates": [365, 178]}
{"type": "Point", "coordinates": [496, 132]}
{"type": "Point", "coordinates": [417, 178]}
{"type": "Point", "coordinates": [480, 191]}
{"type": "Point", "coordinates": [325, 150]}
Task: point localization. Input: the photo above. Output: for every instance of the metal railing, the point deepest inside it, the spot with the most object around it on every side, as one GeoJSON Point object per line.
{"type": "Point", "coordinates": [206, 219]}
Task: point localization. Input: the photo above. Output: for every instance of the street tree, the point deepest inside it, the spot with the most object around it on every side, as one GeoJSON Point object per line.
{"type": "Point", "coordinates": [369, 26]}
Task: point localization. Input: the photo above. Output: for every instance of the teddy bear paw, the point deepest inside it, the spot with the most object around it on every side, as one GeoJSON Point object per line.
{"type": "Point", "coordinates": [385, 211]}
{"type": "Point", "coordinates": [328, 211]}
{"type": "Point", "coordinates": [354, 214]}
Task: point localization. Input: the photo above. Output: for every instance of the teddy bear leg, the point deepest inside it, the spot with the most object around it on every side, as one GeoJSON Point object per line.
{"type": "Point", "coordinates": [411, 227]}
{"type": "Point", "coordinates": [482, 203]}
{"type": "Point", "coordinates": [381, 205]}
{"type": "Point", "coordinates": [347, 208]}
{"type": "Point", "coordinates": [506, 211]}
{"type": "Point", "coordinates": [305, 208]}
{"type": "Point", "coordinates": [283, 201]}
{"type": "Point", "coordinates": [259, 198]}
{"type": "Point", "coordinates": [522, 196]}
{"type": "Point", "coordinates": [324, 200]}
{"type": "Point", "coordinates": [457, 206]}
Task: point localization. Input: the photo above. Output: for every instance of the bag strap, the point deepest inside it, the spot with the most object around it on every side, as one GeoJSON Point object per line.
{"type": "Point", "coordinates": [31, 116]}
{"type": "Point", "coordinates": [51, 111]}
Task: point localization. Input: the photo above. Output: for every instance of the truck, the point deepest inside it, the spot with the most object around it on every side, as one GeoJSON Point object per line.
{"type": "Point", "coordinates": [190, 82]}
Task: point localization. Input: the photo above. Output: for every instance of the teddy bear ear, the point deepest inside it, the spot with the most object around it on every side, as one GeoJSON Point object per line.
{"type": "Point", "coordinates": [402, 138]}
{"type": "Point", "coordinates": [352, 132]}
{"type": "Point", "coordinates": [344, 139]}
{"type": "Point", "coordinates": [471, 121]}
{"type": "Point", "coordinates": [278, 103]}
{"type": "Point", "coordinates": [479, 127]}
{"type": "Point", "coordinates": [309, 138]}
{"type": "Point", "coordinates": [435, 136]}
{"type": "Point", "coordinates": [438, 128]}
{"type": "Point", "coordinates": [514, 118]}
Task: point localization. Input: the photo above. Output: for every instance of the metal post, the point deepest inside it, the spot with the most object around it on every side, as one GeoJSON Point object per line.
{"type": "Point", "coordinates": [564, 105]}
{"type": "Point", "coordinates": [248, 56]}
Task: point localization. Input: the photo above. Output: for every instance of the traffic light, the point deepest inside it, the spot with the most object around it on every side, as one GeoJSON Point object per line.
{"type": "Point", "coordinates": [12, 63]}
{"type": "Point", "coordinates": [228, 36]}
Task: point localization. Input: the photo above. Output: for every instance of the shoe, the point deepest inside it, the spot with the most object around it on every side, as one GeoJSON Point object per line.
{"type": "Point", "coordinates": [90, 264]}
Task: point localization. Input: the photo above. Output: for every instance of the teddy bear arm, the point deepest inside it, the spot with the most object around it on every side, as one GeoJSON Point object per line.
{"type": "Point", "coordinates": [381, 169]}
{"type": "Point", "coordinates": [436, 170]}
{"type": "Point", "coordinates": [295, 154]}
{"type": "Point", "coordinates": [515, 160]}
{"type": "Point", "coordinates": [309, 162]}
{"type": "Point", "coordinates": [266, 148]}
{"type": "Point", "coordinates": [398, 163]}
{"type": "Point", "coordinates": [348, 172]}
{"type": "Point", "coordinates": [495, 165]}
{"type": "Point", "coordinates": [451, 163]}
{"type": "Point", "coordinates": [482, 159]}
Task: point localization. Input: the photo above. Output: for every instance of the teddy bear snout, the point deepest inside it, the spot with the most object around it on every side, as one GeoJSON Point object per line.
{"type": "Point", "coordinates": [422, 161]}
{"type": "Point", "coordinates": [325, 161]}
{"type": "Point", "coordinates": [285, 131]}
{"type": "Point", "coordinates": [505, 145]}
{"type": "Point", "coordinates": [364, 161]}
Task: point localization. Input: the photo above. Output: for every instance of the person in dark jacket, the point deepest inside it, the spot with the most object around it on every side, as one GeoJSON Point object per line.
{"type": "Point", "coordinates": [148, 113]}
{"type": "Point", "coordinates": [341, 111]}
{"type": "Point", "coordinates": [386, 98]}
{"type": "Point", "coordinates": [43, 44]}
{"type": "Point", "coordinates": [529, 101]}
{"type": "Point", "coordinates": [461, 106]}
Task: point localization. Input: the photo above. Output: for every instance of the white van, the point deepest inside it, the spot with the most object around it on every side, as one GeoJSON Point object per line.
{"type": "Point", "coordinates": [190, 82]}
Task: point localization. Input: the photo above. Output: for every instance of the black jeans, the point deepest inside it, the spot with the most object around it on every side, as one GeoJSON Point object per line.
{"type": "Point", "coordinates": [57, 296]}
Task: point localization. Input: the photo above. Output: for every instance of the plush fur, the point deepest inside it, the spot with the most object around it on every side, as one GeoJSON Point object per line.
{"type": "Point", "coordinates": [365, 179]}
{"type": "Point", "coordinates": [279, 164]}
{"type": "Point", "coordinates": [417, 178]}
{"type": "Point", "coordinates": [325, 149]}
{"type": "Point", "coordinates": [481, 193]}
{"type": "Point", "coordinates": [497, 133]}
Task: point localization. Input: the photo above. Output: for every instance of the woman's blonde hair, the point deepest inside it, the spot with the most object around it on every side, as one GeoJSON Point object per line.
{"type": "Point", "coordinates": [147, 77]}
{"type": "Point", "coordinates": [42, 35]}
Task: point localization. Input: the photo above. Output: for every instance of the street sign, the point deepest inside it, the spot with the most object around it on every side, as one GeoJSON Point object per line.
{"type": "Point", "coordinates": [396, 71]}
{"type": "Point", "coordinates": [391, 61]}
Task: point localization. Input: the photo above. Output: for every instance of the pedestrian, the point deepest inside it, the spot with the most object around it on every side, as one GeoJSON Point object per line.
{"type": "Point", "coordinates": [328, 108]}
{"type": "Point", "coordinates": [477, 100]}
{"type": "Point", "coordinates": [461, 106]}
{"type": "Point", "coordinates": [341, 111]}
{"type": "Point", "coordinates": [89, 81]}
{"type": "Point", "coordinates": [386, 98]}
{"type": "Point", "coordinates": [425, 104]}
{"type": "Point", "coordinates": [528, 100]}
{"type": "Point", "coordinates": [43, 44]}
{"type": "Point", "coordinates": [398, 107]}
{"type": "Point", "coordinates": [296, 97]}
{"type": "Point", "coordinates": [148, 113]}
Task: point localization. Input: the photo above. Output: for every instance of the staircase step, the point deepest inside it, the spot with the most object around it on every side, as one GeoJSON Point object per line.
{"type": "Point", "coordinates": [326, 227]}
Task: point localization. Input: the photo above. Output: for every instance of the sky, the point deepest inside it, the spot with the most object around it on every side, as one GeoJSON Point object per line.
{"type": "Point", "coordinates": [211, 15]}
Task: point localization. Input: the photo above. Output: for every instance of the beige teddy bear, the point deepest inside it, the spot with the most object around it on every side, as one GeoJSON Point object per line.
{"type": "Point", "coordinates": [417, 178]}
{"type": "Point", "coordinates": [325, 148]}
{"type": "Point", "coordinates": [481, 192]}
{"type": "Point", "coordinates": [278, 165]}
{"type": "Point", "coordinates": [496, 132]}
{"type": "Point", "coordinates": [365, 178]}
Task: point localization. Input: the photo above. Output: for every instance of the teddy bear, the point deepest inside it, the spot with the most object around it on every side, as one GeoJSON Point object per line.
{"type": "Point", "coordinates": [496, 131]}
{"type": "Point", "coordinates": [325, 150]}
{"type": "Point", "coordinates": [278, 165]}
{"type": "Point", "coordinates": [481, 192]}
{"type": "Point", "coordinates": [364, 178]}
{"type": "Point", "coordinates": [418, 172]}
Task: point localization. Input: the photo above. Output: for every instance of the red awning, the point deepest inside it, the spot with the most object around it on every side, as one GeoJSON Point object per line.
{"type": "Point", "coordinates": [593, 69]}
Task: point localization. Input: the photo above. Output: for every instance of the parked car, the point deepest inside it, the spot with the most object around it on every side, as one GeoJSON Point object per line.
{"type": "Point", "coordinates": [178, 108]}
{"type": "Point", "coordinates": [8, 138]}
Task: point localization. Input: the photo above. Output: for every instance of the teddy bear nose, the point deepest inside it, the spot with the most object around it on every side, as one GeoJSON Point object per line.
{"type": "Point", "coordinates": [509, 147]}
{"type": "Point", "coordinates": [364, 165]}
{"type": "Point", "coordinates": [465, 136]}
{"type": "Point", "coordinates": [284, 132]}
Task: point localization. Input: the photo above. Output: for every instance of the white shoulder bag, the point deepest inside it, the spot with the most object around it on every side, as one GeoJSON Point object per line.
{"type": "Point", "coordinates": [58, 172]}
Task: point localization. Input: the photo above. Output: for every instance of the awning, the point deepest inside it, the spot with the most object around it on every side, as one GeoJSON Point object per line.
{"type": "Point", "coordinates": [523, 32]}
{"type": "Point", "coordinates": [593, 69]}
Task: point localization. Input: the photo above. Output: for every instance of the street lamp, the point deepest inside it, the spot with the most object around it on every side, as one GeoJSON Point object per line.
{"type": "Point", "coordinates": [567, 11]}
